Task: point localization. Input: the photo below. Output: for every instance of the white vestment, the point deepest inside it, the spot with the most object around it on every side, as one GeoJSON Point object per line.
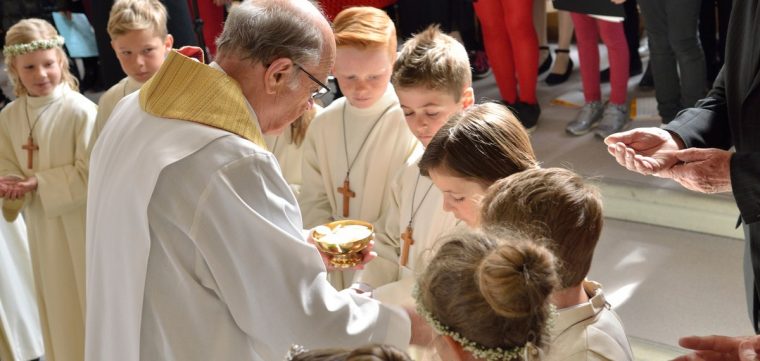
{"type": "Point", "coordinates": [410, 193]}
{"type": "Point", "coordinates": [20, 335]}
{"type": "Point", "coordinates": [206, 248]}
{"type": "Point", "coordinates": [55, 212]}
{"type": "Point", "coordinates": [289, 155]}
{"type": "Point", "coordinates": [325, 164]}
{"type": "Point", "coordinates": [108, 101]}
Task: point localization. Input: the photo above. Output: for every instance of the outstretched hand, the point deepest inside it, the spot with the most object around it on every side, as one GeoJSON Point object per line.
{"type": "Point", "coordinates": [720, 348]}
{"type": "Point", "coordinates": [649, 151]}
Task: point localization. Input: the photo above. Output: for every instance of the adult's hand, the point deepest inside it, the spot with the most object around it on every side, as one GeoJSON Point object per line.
{"type": "Point", "coordinates": [720, 348]}
{"type": "Point", "coordinates": [703, 170]}
{"type": "Point", "coordinates": [649, 151]}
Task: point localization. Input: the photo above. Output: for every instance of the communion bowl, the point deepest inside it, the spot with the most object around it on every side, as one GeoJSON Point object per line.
{"type": "Point", "coordinates": [343, 240]}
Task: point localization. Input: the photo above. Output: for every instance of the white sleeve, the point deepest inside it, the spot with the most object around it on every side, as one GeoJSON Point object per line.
{"type": "Point", "coordinates": [273, 281]}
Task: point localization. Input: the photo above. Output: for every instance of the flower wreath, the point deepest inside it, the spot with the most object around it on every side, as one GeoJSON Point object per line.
{"type": "Point", "coordinates": [477, 350]}
{"type": "Point", "coordinates": [20, 49]}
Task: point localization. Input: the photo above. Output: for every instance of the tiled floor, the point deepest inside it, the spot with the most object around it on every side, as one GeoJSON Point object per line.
{"type": "Point", "coordinates": [663, 282]}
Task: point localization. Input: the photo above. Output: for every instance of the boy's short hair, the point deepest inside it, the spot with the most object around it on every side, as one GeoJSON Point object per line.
{"type": "Point", "coordinates": [365, 27]}
{"type": "Point", "coordinates": [433, 60]}
{"type": "Point", "coordinates": [551, 203]}
{"type": "Point", "coordinates": [130, 15]}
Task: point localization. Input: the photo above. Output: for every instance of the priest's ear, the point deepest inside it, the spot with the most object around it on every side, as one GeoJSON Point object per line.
{"type": "Point", "coordinates": [278, 75]}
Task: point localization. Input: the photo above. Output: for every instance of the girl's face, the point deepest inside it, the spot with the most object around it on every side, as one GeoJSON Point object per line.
{"type": "Point", "coordinates": [39, 71]}
{"type": "Point", "coordinates": [461, 196]}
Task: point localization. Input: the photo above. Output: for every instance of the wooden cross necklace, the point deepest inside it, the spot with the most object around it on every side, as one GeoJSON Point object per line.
{"type": "Point", "coordinates": [408, 235]}
{"type": "Point", "coordinates": [30, 147]}
{"type": "Point", "coordinates": [346, 189]}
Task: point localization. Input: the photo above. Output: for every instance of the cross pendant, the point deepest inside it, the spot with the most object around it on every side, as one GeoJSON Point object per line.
{"type": "Point", "coordinates": [29, 147]}
{"type": "Point", "coordinates": [408, 242]}
{"type": "Point", "coordinates": [347, 195]}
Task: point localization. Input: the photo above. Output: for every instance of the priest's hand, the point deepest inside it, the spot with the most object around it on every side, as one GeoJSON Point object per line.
{"type": "Point", "coordinates": [720, 348]}
{"type": "Point", "coordinates": [649, 151]}
{"type": "Point", "coordinates": [703, 170]}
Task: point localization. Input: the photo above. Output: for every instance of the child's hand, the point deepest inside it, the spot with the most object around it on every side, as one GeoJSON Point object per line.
{"type": "Point", "coordinates": [21, 188]}
{"type": "Point", "coordinates": [7, 184]}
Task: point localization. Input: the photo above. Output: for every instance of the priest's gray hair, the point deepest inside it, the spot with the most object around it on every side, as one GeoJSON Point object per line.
{"type": "Point", "coordinates": [265, 30]}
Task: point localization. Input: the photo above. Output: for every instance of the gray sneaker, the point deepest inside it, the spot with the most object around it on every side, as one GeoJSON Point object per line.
{"type": "Point", "coordinates": [615, 119]}
{"type": "Point", "coordinates": [587, 119]}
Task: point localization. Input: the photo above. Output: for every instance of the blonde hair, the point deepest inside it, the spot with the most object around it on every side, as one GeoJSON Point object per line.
{"type": "Point", "coordinates": [299, 127]}
{"type": "Point", "coordinates": [492, 290]}
{"type": "Point", "coordinates": [365, 353]}
{"type": "Point", "coordinates": [555, 204]}
{"type": "Point", "coordinates": [484, 143]}
{"type": "Point", "coordinates": [433, 60]}
{"type": "Point", "coordinates": [365, 27]}
{"type": "Point", "coordinates": [131, 15]}
{"type": "Point", "coordinates": [27, 31]}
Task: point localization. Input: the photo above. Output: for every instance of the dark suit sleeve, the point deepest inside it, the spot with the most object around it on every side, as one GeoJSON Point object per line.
{"type": "Point", "coordinates": [745, 173]}
{"type": "Point", "coordinates": [705, 125]}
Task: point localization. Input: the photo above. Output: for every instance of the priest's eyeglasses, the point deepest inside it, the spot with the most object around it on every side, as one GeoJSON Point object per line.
{"type": "Point", "coordinates": [323, 89]}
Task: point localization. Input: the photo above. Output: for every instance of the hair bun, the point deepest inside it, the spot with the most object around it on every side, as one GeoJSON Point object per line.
{"type": "Point", "coordinates": [516, 277]}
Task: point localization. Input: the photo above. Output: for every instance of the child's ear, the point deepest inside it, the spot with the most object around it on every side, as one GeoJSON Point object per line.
{"type": "Point", "coordinates": [169, 42]}
{"type": "Point", "coordinates": [468, 98]}
{"type": "Point", "coordinates": [277, 74]}
{"type": "Point", "coordinates": [456, 348]}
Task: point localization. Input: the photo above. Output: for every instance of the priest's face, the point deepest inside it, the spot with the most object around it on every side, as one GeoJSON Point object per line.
{"type": "Point", "coordinates": [39, 71]}
{"type": "Point", "coordinates": [141, 52]}
{"type": "Point", "coordinates": [426, 110]}
{"type": "Point", "coordinates": [363, 74]}
{"type": "Point", "coordinates": [461, 196]}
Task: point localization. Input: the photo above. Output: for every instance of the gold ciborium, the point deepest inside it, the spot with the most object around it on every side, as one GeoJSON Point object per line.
{"type": "Point", "coordinates": [343, 241]}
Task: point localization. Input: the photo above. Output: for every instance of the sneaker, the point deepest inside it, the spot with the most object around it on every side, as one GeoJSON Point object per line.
{"type": "Point", "coordinates": [480, 66]}
{"type": "Point", "coordinates": [615, 119]}
{"type": "Point", "coordinates": [587, 118]}
{"type": "Point", "coordinates": [528, 114]}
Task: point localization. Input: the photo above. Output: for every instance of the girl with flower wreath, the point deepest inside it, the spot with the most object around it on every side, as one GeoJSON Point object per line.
{"type": "Point", "coordinates": [487, 297]}
{"type": "Point", "coordinates": [44, 135]}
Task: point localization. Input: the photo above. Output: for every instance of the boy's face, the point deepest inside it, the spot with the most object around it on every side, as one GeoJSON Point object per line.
{"type": "Point", "coordinates": [461, 196]}
{"type": "Point", "coordinates": [141, 52]}
{"type": "Point", "coordinates": [39, 71]}
{"type": "Point", "coordinates": [427, 110]}
{"type": "Point", "coordinates": [362, 74]}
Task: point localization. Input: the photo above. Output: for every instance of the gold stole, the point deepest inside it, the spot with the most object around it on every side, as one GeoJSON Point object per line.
{"type": "Point", "coordinates": [189, 90]}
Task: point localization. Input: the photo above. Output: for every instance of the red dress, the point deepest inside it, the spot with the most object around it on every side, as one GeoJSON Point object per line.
{"type": "Point", "coordinates": [333, 7]}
